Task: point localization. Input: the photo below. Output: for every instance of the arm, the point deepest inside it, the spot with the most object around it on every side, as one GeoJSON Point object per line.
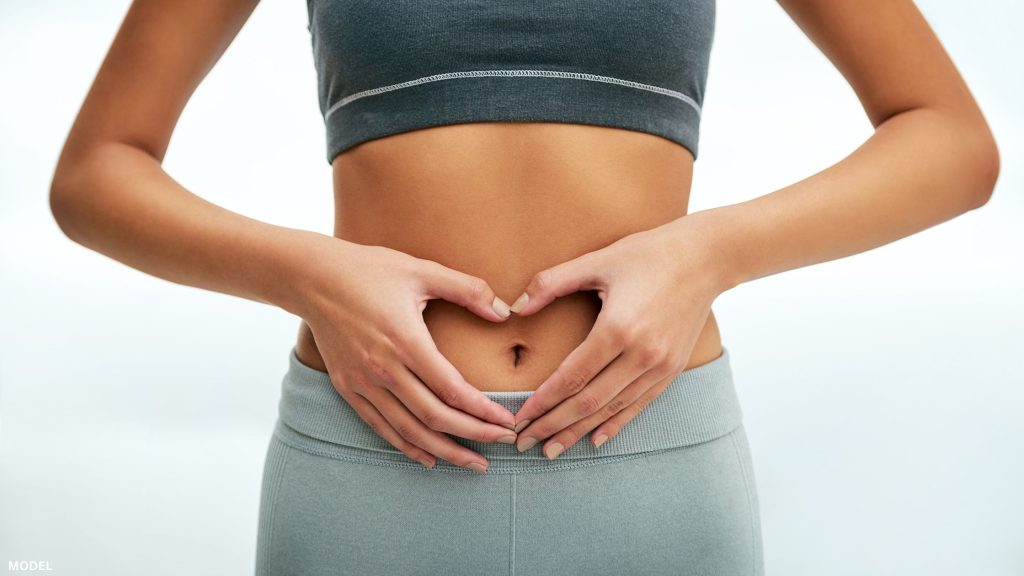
{"type": "Point", "coordinates": [109, 192]}
{"type": "Point", "coordinates": [363, 303]}
{"type": "Point", "coordinates": [931, 157]}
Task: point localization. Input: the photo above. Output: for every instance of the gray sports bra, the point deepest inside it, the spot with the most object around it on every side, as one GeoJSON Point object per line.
{"type": "Point", "coordinates": [390, 66]}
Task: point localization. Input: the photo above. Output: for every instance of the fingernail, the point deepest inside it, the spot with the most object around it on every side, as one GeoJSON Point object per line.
{"type": "Point", "coordinates": [425, 462]}
{"type": "Point", "coordinates": [601, 439]}
{"type": "Point", "coordinates": [554, 450]}
{"type": "Point", "coordinates": [500, 307]}
{"type": "Point", "coordinates": [520, 303]}
{"type": "Point", "coordinates": [477, 467]}
{"type": "Point", "coordinates": [521, 425]}
{"type": "Point", "coordinates": [526, 444]}
{"type": "Point", "coordinates": [510, 439]}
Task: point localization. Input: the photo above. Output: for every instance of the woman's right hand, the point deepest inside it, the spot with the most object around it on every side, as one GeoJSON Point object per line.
{"type": "Point", "coordinates": [364, 306]}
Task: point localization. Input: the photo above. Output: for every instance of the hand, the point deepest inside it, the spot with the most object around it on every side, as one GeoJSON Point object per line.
{"type": "Point", "coordinates": [656, 289]}
{"type": "Point", "coordinates": [364, 307]}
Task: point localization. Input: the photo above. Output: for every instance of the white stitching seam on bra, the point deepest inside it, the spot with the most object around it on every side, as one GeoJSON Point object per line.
{"type": "Point", "coordinates": [542, 73]}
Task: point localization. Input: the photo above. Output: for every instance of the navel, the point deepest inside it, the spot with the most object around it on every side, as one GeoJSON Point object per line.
{"type": "Point", "coordinates": [519, 353]}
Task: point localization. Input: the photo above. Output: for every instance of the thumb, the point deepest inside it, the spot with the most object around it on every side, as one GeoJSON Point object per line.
{"type": "Point", "coordinates": [581, 273]}
{"type": "Point", "coordinates": [468, 291]}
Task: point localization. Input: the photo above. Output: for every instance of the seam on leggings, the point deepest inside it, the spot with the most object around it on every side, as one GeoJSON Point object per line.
{"type": "Point", "coordinates": [512, 530]}
{"type": "Point", "coordinates": [750, 503]}
{"type": "Point", "coordinates": [280, 463]}
{"type": "Point", "coordinates": [457, 469]}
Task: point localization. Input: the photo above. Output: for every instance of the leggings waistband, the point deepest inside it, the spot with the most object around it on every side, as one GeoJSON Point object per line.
{"type": "Point", "coordinates": [698, 405]}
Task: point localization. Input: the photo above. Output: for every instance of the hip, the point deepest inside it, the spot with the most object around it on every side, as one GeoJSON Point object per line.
{"type": "Point", "coordinates": [683, 510]}
{"type": "Point", "coordinates": [673, 493]}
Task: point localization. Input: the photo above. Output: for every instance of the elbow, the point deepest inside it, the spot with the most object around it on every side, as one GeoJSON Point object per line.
{"type": "Point", "coordinates": [61, 208]}
{"type": "Point", "coordinates": [989, 170]}
{"type": "Point", "coordinates": [71, 191]}
{"type": "Point", "coordinates": [68, 188]}
{"type": "Point", "coordinates": [984, 163]}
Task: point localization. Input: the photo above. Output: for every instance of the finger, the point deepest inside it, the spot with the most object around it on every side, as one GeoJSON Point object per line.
{"type": "Point", "coordinates": [602, 389]}
{"type": "Point", "coordinates": [414, 431]}
{"type": "Point", "coordinates": [625, 398]}
{"type": "Point", "coordinates": [580, 273]}
{"type": "Point", "coordinates": [618, 421]}
{"type": "Point", "coordinates": [602, 345]}
{"type": "Point", "coordinates": [420, 354]}
{"type": "Point", "coordinates": [380, 425]}
{"type": "Point", "coordinates": [437, 415]}
{"type": "Point", "coordinates": [471, 292]}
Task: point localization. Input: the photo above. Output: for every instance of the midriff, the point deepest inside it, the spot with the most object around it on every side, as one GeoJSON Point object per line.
{"type": "Point", "coordinates": [502, 201]}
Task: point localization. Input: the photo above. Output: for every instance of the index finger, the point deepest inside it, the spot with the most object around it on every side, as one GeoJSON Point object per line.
{"type": "Point", "coordinates": [602, 345]}
{"type": "Point", "coordinates": [425, 360]}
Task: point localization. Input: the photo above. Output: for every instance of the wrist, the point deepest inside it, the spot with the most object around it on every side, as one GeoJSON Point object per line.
{"type": "Point", "coordinates": [291, 267]}
{"type": "Point", "coordinates": [705, 234]}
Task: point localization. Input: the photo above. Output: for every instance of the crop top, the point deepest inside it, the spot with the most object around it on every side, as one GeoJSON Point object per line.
{"type": "Point", "coordinates": [390, 66]}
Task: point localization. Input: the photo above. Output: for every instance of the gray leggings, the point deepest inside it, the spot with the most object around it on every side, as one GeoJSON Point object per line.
{"type": "Point", "coordinates": [672, 493]}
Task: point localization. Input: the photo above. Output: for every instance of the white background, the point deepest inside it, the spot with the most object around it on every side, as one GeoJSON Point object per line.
{"type": "Point", "coordinates": [883, 392]}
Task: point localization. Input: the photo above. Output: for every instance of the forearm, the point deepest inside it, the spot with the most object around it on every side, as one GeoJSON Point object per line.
{"type": "Point", "coordinates": [117, 200]}
{"type": "Point", "coordinates": [919, 168]}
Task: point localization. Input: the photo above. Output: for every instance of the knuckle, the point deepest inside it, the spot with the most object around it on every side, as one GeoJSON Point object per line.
{"type": "Point", "coordinates": [575, 381]}
{"type": "Point", "coordinates": [615, 406]}
{"type": "Point", "coordinates": [408, 431]}
{"type": "Point", "coordinates": [376, 426]}
{"type": "Point", "coordinates": [346, 394]}
{"type": "Point", "coordinates": [432, 420]}
{"type": "Point", "coordinates": [366, 360]}
{"type": "Point", "coordinates": [588, 404]}
{"type": "Point", "coordinates": [642, 403]}
{"type": "Point", "coordinates": [449, 395]}
{"type": "Point", "coordinates": [620, 333]}
{"type": "Point", "coordinates": [674, 366]}
{"type": "Point", "coordinates": [383, 376]}
{"type": "Point", "coordinates": [387, 379]}
{"type": "Point", "coordinates": [361, 381]}
{"type": "Point", "coordinates": [477, 288]}
{"type": "Point", "coordinates": [396, 337]}
{"type": "Point", "coordinates": [371, 362]}
{"type": "Point", "coordinates": [542, 281]}
{"type": "Point", "coordinates": [569, 436]}
{"type": "Point", "coordinates": [377, 429]}
{"type": "Point", "coordinates": [651, 353]}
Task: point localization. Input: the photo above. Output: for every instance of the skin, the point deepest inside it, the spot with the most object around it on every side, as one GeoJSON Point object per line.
{"type": "Point", "coordinates": [398, 306]}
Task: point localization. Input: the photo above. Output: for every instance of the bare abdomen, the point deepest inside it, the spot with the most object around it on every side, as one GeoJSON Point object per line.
{"type": "Point", "coordinates": [503, 201]}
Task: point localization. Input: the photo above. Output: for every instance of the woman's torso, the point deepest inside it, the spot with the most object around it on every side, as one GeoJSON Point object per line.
{"type": "Point", "coordinates": [502, 201]}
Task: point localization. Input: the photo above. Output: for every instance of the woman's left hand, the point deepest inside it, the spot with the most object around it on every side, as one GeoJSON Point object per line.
{"type": "Point", "coordinates": [656, 287]}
